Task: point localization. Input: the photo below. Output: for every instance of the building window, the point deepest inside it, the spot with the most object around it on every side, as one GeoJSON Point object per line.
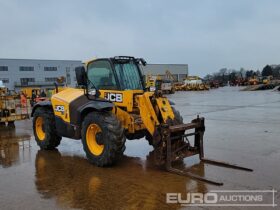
{"type": "Point", "coordinates": [50, 79]}
{"type": "Point", "coordinates": [46, 68]}
{"type": "Point", "coordinates": [25, 81]}
{"type": "Point", "coordinates": [26, 68]}
{"type": "Point", "coordinates": [3, 68]}
{"type": "Point", "coordinates": [4, 80]}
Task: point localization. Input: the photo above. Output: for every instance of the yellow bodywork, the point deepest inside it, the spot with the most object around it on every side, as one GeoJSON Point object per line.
{"type": "Point", "coordinates": [147, 112]}
{"type": "Point", "coordinates": [141, 114]}
{"type": "Point", "coordinates": [165, 109]}
{"type": "Point", "coordinates": [53, 91]}
{"type": "Point", "coordinates": [61, 101]}
{"type": "Point", "coordinates": [135, 112]}
{"type": "Point", "coordinates": [127, 96]}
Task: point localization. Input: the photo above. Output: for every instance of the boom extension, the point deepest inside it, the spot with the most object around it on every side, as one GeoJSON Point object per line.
{"type": "Point", "coordinates": [188, 150]}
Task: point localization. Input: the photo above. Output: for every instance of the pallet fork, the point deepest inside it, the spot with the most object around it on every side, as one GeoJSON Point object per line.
{"type": "Point", "coordinates": [187, 150]}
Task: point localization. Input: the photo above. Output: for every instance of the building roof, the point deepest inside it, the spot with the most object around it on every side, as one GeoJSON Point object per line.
{"type": "Point", "coordinates": [36, 59]}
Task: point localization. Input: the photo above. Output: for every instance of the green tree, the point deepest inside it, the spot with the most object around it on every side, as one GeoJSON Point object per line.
{"type": "Point", "coordinates": [267, 71]}
{"type": "Point", "coordinates": [276, 72]}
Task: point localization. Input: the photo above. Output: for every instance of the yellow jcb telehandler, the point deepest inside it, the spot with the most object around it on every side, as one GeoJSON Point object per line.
{"type": "Point", "coordinates": [112, 105]}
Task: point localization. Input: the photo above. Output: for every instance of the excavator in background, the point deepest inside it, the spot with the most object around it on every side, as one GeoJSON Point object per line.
{"type": "Point", "coordinates": [111, 105]}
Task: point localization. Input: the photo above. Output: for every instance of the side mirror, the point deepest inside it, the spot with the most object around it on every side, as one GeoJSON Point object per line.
{"type": "Point", "coordinates": [144, 63]}
{"type": "Point", "coordinates": [81, 75]}
{"type": "Point", "coordinates": [152, 89]}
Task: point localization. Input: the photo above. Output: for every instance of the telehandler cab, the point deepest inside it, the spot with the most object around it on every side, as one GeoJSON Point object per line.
{"type": "Point", "coordinates": [112, 105]}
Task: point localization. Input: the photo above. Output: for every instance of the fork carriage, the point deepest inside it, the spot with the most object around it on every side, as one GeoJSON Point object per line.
{"type": "Point", "coordinates": [186, 150]}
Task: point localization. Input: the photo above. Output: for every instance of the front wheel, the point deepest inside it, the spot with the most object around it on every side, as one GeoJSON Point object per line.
{"type": "Point", "coordinates": [103, 138]}
{"type": "Point", "coordinates": [44, 129]}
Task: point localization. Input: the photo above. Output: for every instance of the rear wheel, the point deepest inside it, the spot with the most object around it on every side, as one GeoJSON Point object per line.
{"type": "Point", "coordinates": [178, 119]}
{"type": "Point", "coordinates": [103, 138]}
{"type": "Point", "coordinates": [44, 129]}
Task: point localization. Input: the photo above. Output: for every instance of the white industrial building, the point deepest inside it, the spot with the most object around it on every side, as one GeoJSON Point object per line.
{"type": "Point", "coordinates": [178, 71]}
{"type": "Point", "coordinates": [19, 73]}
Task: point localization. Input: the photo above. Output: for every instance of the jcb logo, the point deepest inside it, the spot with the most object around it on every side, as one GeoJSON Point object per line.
{"type": "Point", "coordinates": [59, 109]}
{"type": "Point", "coordinates": [114, 97]}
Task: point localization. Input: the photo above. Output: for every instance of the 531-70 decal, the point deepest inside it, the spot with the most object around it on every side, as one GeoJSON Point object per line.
{"type": "Point", "coordinates": [114, 97]}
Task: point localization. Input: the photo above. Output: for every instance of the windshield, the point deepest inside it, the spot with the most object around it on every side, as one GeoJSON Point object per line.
{"type": "Point", "coordinates": [128, 76]}
{"type": "Point", "coordinates": [101, 75]}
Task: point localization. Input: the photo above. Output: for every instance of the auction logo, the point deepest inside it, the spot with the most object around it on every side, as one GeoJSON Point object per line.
{"type": "Point", "coordinates": [225, 198]}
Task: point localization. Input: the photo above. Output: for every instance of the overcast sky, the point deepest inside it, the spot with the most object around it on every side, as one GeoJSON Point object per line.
{"type": "Point", "coordinates": [206, 34]}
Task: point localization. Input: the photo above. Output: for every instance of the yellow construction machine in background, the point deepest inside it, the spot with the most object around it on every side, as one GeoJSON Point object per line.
{"type": "Point", "coordinates": [13, 106]}
{"type": "Point", "coordinates": [160, 83]}
{"type": "Point", "coordinates": [267, 80]}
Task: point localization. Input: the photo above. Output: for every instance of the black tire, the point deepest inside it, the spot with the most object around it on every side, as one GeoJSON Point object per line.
{"type": "Point", "coordinates": [149, 138]}
{"type": "Point", "coordinates": [11, 124]}
{"type": "Point", "coordinates": [137, 135]}
{"type": "Point", "coordinates": [178, 119]}
{"type": "Point", "coordinates": [112, 137]}
{"type": "Point", "coordinates": [51, 139]}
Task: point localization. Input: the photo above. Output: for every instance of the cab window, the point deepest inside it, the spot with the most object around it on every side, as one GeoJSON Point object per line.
{"type": "Point", "coordinates": [128, 76]}
{"type": "Point", "coordinates": [101, 75]}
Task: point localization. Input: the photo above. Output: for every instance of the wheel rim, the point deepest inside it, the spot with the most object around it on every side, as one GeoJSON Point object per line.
{"type": "Point", "coordinates": [39, 128]}
{"type": "Point", "coordinates": [92, 144]}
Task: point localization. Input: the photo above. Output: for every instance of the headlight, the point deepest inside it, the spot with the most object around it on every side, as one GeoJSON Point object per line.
{"type": "Point", "coordinates": [152, 89]}
{"type": "Point", "coordinates": [92, 92]}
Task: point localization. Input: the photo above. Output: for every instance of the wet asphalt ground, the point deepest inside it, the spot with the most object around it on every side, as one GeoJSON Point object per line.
{"type": "Point", "coordinates": [241, 127]}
